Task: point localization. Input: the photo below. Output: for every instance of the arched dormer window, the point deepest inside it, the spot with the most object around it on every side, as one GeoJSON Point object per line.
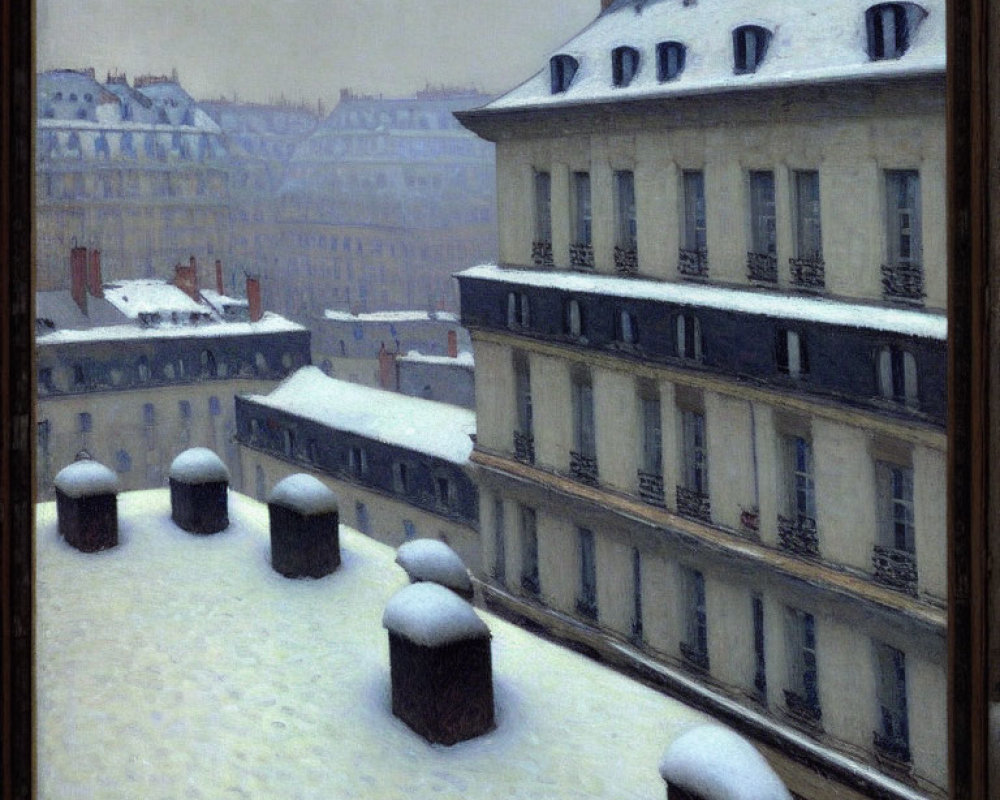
{"type": "Point", "coordinates": [897, 376]}
{"type": "Point", "coordinates": [562, 68]}
{"type": "Point", "coordinates": [573, 321]}
{"type": "Point", "coordinates": [749, 48]}
{"type": "Point", "coordinates": [624, 65]}
{"type": "Point", "coordinates": [890, 28]}
{"type": "Point", "coordinates": [669, 60]}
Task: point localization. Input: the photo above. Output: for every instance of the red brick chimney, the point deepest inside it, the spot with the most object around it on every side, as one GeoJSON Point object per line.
{"type": "Point", "coordinates": [387, 377]}
{"type": "Point", "coordinates": [452, 344]}
{"type": "Point", "coordinates": [78, 276]}
{"type": "Point", "coordinates": [186, 278]}
{"type": "Point", "coordinates": [95, 284]}
{"type": "Point", "coordinates": [218, 277]}
{"type": "Point", "coordinates": [253, 297]}
{"type": "Point", "coordinates": [606, 3]}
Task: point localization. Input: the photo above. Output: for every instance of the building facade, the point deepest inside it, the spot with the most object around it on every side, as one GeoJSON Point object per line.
{"type": "Point", "coordinates": [136, 371]}
{"type": "Point", "coordinates": [398, 465]}
{"type": "Point", "coordinates": [711, 370]}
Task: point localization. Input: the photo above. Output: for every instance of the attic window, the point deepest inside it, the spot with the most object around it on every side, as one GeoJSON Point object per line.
{"type": "Point", "coordinates": [890, 26]}
{"type": "Point", "coordinates": [749, 48]}
{"type": "Point", "coordinates": [562, 68]}
{"type": "Point", "coordinates": [669, 60]}
{"type": "Point", "coordinates": [624, 65]}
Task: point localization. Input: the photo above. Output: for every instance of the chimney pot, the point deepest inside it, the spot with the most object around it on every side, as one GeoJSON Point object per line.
{"type": "Point", "coordinates": [452, 344]}
{"type": "Point", "coordinates": [218, 277]}
{"type": "Point", "coordinates": [78, 276]}
{"type": "Point", "coordinates": [94, 281]}
{"type": "Point", "coordinates": [253, 298]}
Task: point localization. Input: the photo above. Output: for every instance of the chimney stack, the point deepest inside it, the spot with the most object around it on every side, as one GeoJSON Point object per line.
{"type": "Point", "coordinates": [186, 278]}
{"type": "Point", "coordinates": [253, 297]}
{"type": "Point", "coordinates": [605, 4]}
{"type": "Point", "coordinates": [95, 284]}
{"type": "Point", "coordinates": [452, 344]}
{"type": "Point", "coordinates": [78, 276]}
{"type": "Point", "coordinates": [388, 377]}
{"type": "Point", "coordinates": [218, 277]}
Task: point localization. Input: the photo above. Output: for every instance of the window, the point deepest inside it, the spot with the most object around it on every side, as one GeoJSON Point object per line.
{"type": "Point", "coordinates": [529, 550]}
{"type": "Point", "coordinates": [357, 460]}
{"type": "Point", "coordinates": [401, 477]}
{"type": "Point", "coordinates": [583, 457]}
{"type": "Point", "coordinates": [692, 493]}
{"type": "Point", "coordinates": [799, 499]}
{"type": "Point", "coordinates": [524, 436]}
{"type": "Point", "coordinates": [694, 647]}
{"type": "Point", "coordinates": [364, 522]}
{"type": "Point", "coordinates": [694, 234]}
{"type": "Point", "coordinates": [890, 27]}
{"type": "Point", "coordinates": [542, 245]}
{"type": "Point", "coordinates": [586, 601]}
{"type": "Point", "coordinates": [669, 60]}
{"type": "Point", "coordinates": [808, 233]}
{"type": "Point", "coordinates": [445, 491]}
{"type": "Point", "coordinates": [499, 543]}
{"type": "Point", "coordinates": [790, 353]}
{"type": "Point", "coordinates": [652, 441]}
{"type": "Point", "coordinates": [409, 530]}
{"type": "Point", "coordinates": [85, 422]}
{"type": "Point", "coordinates": [624, 65]}
{"type": "Point", "coordinates": [184, 407]}
{"type": "Point", "coordinates": [750, 44]}
{"type": "Point", "coordinates": [902, 274]}
{"type": "Point", "coordinates": [148, 415]}
{"type": "Point", "coordinates": [759, 659]}
{"type": "Point", "coordinates": [79, 378]}
{"type": "Point", "coordinates": [762, 257]}
{"type": "Point", "coordinates": [637, 632]}
{"type": "Point", "coordinates": [123, 461]}
{"type": "Point", "coordinates": [573, 321]}
{"type": "Point", "coordinates": [626, 260]}
{"type": "Point", "coordinates": [688, 342]}
{"type": "Point", "coordinates": [562, 68]}
{"type": "Point", "coordinates": [897, 375]}
{"type": "Point", "coordinates": [288, 442]}
{"type": "Point", "coordinates": [518, 310]}
{"type": "Point", "coordinates": [581, 252]}
{"type": "Point", "coordinates": [626, 328]}
{"type": "Point", "coordinates": [894, 484]}
{"type": "Point", "coordinates": [893, 736]}
{"type": "Point", "coordinates": [214, 406]}
{"type": "Point", "coordinates": [802, 693]}
{"type": "Point", "coordinates": [208, 366]}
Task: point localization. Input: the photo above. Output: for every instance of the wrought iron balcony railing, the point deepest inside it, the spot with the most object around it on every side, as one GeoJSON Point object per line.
{"type": "Point", "coordinates": [693, 263]}
{"type": "Point", "coordinates": [694, 504]}
{"type": "Point", "coordinates": [891, 748]}
{"type": "Point", "coordinates": [587, 607]}
{"type": "Point", "coordinates": [762, 267]}
{"type": "Point", "coordinates": [803, 708]}
{"type": "Point", "coordinates": [524, 447]}
{"type": "Point", "coordinates": [895, 568]}
{"type": "Point", "coordinates": [798, 535]}
{"type": "Point", "coordinates": [581, 255]}
{"type": "Point", "coordinates": [529, 584]}
{"type": "Point", "coordinates": [808, 273]}
{"type": "Point", "coordinates": [903, 283]}
{"type": "Point", "coordinates": [626, 261]}
{"type": "Point", "coordinates": [583, 467]}
{"type": "Point", "coordinates": [541, 254]}
{"type": "Point", "coordinates": [651, 489]}
{"type": "Point", "coordinates": [695, 656]}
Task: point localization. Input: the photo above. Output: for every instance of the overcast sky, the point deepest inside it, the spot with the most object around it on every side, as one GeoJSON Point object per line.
{"type": "Point", "coordinates": [309, 49]}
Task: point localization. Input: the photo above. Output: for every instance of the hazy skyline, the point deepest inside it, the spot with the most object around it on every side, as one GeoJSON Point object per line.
{"type": "Point", "coordinates": [309, 49]}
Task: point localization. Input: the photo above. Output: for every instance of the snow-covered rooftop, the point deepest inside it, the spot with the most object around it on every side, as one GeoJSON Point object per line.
{"type": "Point", "coordinates": [269, 323]}
{"type": "Point", "coordinates": [182, 666]}
{"type": "Point", "coordinates": [811, 42]}
{"type": "Point", "coordinates": [137, 297]}
{"type": "Point", "coordinates": [781, 306]}
{"type": "Point", "coordinates": [463, 359]}
{"type": "Point", "coordinates": [423, 426]}
{"type": "Point", "coordinates": [390, 316]}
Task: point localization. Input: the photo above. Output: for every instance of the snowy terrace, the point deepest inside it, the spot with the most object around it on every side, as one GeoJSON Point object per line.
{"type": "Point", "coordinates": [178, 665]}
{"type": "Point", "coordinates": [423, 426]}
{"type": "Point", "coordinates": [810, 43]}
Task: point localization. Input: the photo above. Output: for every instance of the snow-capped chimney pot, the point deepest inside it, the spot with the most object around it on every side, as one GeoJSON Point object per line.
{"type": "Point", "coordinates": [253, 298]}
{"type": "Point", "coordinates": [218, 277]}
{"type": "Point", "coordinates": [78, 276]}
{"type": "Point", "coordinates": [186, 278]}
{"type": "Point", "coordinates": [452, 344]}
{"type": "Point", "coordinates": [94, 282]}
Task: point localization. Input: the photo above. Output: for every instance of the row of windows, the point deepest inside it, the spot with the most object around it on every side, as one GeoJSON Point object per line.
{"type": "Point", "coordinates": [895, 368]}
{"type": "Point", "coordinates": [894, 561]}
{"type": "Point", "coordinates": [889, 26]}
{"type": "Point", "coordinates": [801, 686]}
{"type": "Point", "coordinates": [902, 277]}
{"type": "Point", "coordinates": [85, 420]}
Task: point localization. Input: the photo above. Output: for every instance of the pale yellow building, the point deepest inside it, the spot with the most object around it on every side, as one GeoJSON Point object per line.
{"type": "Point", "coordinates": [710, 370]}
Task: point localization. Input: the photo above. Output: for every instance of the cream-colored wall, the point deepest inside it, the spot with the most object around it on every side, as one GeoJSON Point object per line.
{"type": "Point", "coordinates": [850, 154]}
{"type": "Point", "coordinates": [550, 397]}
{"type": "Point", "coordinates": [661, 612]}
{"type": "Point", "coordinates": [386, 514]}
{"type": "Point", "coordinates": [496, 416]}
{"type": "Point", "coordinates": [618, 428]}
{"type": "Point", "coordinates": [729, 618]}
{"type": "Point", "coordinates": [615, 585]}
{"type": "Point", "coordinates": [730, 457]}
{"type": "Point", "coordinates": [930, 521]}
{"type": "Point", "coordinates": [118, 423]}
{"type": "Point", "coordinates": [845, 673]}
{"type": "Point", "coordinates": [558, 561]}
{"type": "Point", "coordinates": [927, 695]}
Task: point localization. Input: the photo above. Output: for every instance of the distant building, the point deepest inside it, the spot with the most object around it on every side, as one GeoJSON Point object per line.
{"type": "Point", "coordinates": [138, 171]}
{"type": "Point", "coordinates": [711, 393]}
{"type": "Point", "coordinates": [399, 465]}
{"type": "Point", "coordinates": [446, 379]}
{"type": "Point", "coordinates": [135, 371]}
